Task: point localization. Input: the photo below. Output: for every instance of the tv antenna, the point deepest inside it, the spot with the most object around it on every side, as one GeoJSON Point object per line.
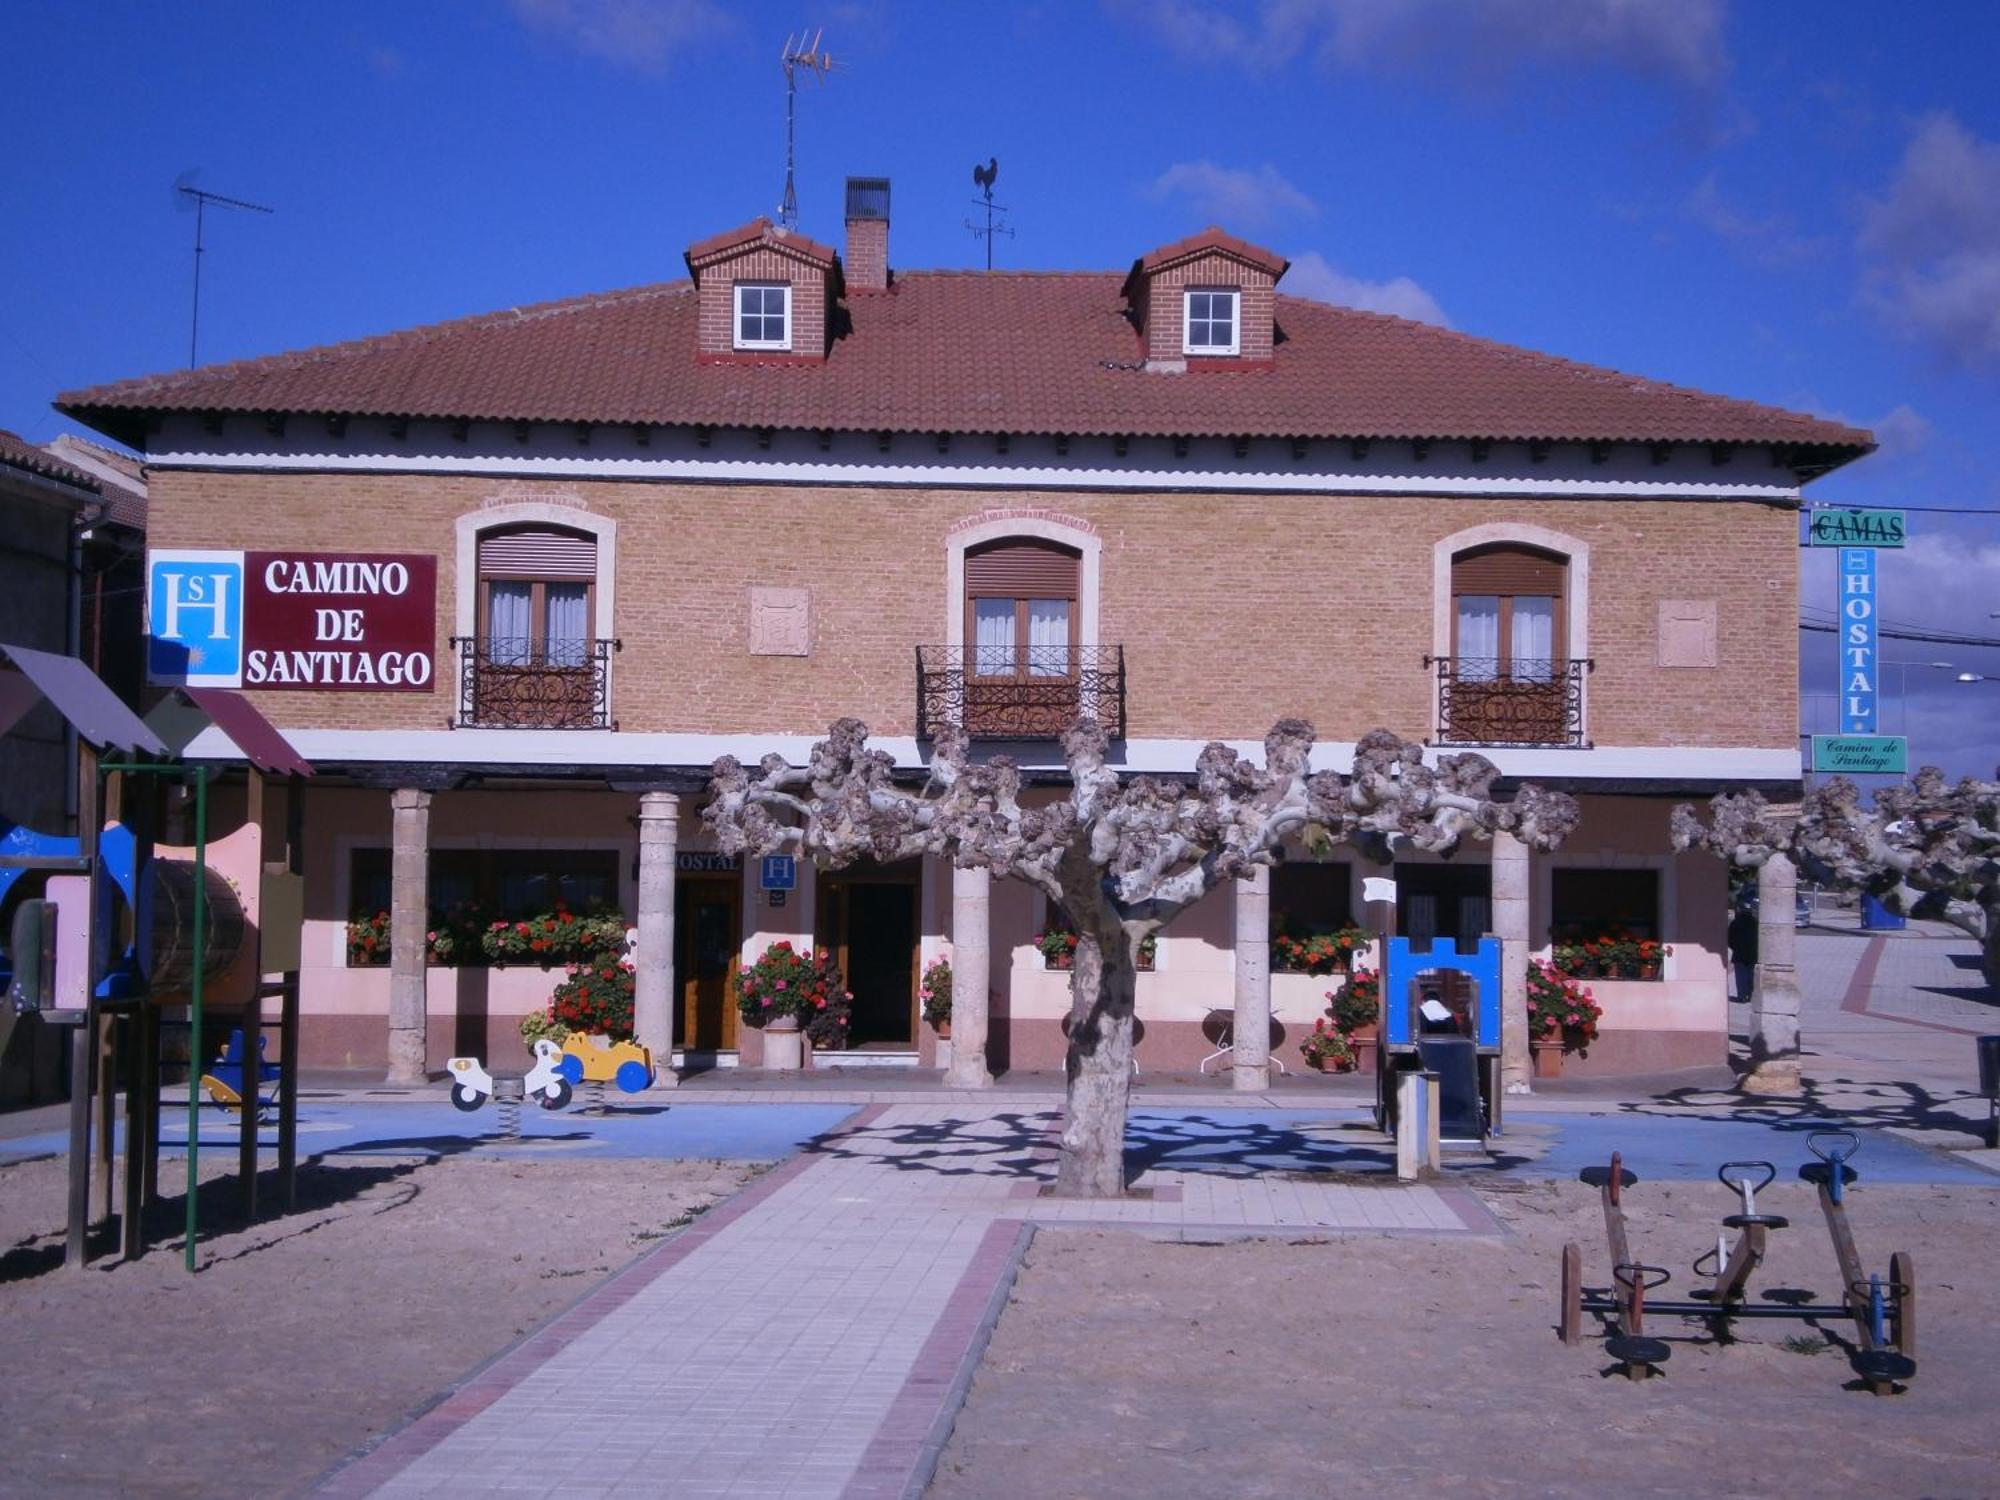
{"type": "Point", "coordinates": [186, 194]}
{"type": "Point", "coordinates": [984, 176]}
{"type": "Point", "coordinates": [817, 63]}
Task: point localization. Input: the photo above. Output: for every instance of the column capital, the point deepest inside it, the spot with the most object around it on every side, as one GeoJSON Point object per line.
{"type": "Point", "coordinates": [409, 799]}
{"type": "Point", "coordinates": [659, 805]}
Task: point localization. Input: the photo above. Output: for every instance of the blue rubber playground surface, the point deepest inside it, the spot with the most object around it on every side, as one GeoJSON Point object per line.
{"type": "Point", "coordinates": [1656, 1146]}
{"type": "Point", "coordinates": [638, 1131]}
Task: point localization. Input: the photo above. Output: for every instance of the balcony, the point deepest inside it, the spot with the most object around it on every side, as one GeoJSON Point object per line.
{"type": "Point", "coordinates": [1034, 700]}
{"type": "Point", "coordinates": [516, 684]}
{"type": "Point", "coordinates": [1527, 703]}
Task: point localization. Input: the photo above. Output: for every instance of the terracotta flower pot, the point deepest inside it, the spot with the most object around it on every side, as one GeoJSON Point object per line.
{"type": "Point", "coordinates": [1548, 1056]}
{"type": "Point", "coordinates": [943, 1030]}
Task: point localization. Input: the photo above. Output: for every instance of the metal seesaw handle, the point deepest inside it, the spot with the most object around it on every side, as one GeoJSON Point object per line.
{"type": "Point", "coordinates": [1825, 1145]}
{"type": "Point", "coordinates": [1743, 1183]}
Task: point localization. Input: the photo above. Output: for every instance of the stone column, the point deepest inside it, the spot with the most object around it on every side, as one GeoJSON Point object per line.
{"type": "Point", "coordinates": [1510, 925]}
{"type": "Point", "coordinates": [409, 920]}
{"type": "Point", "coordinates": [1774, 1008]}
{"type": "Point", "coordinates": [971, 978]}
{"type": "Point", "coordinates": [1251, 1027]}
{"type": "Point", "coordinates": [653, 963]}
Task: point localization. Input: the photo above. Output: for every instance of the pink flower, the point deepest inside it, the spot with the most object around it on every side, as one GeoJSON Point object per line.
{"type": "Point", "coordinates": [767, 1002]}
{"type": "Point", "coordinates": [781, 984]}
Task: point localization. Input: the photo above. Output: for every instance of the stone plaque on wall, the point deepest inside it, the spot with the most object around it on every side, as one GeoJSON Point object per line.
{"type": "Point", "coordinates": [1687, 633]}
{"type": "Point", "coordinates": [780, 622]}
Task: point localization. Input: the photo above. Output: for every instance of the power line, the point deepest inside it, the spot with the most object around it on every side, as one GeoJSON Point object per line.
{"type": "Point", "coordinates": [1934, 510]}
{"type": "Point", "coordinates": [1934, 637]}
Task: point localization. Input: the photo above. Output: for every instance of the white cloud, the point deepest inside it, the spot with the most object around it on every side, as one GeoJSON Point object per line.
{"type": "Point", "coordinates": [1769, 239]}
{"type": "Point", "coordinates": [1901, 432]}
{"type": "Point", "coordinates": [1312, 275]}
{"type": "Point", "coordinates": [641, 34]}
{"type": "Point", "coordinates": [1931, 243]}
{"type": "Point", "coordinates": [1234, 197]}
{"type": "Point", "coordinates": [1678, 41]}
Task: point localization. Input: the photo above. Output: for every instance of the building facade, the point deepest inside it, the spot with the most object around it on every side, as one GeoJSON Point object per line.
{"type": "Point", "coordinates": [513, 583]}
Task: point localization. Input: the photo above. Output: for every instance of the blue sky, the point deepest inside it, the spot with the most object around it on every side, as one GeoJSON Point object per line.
{"type": "Point", "coordinates": [1791, 202]}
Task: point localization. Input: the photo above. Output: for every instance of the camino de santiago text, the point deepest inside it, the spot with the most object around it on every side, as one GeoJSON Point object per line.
{"type": "Point", "coordinates": [340, 655]}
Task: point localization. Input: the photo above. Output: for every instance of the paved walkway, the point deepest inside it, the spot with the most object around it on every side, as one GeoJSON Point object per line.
{"type": "Point", "coordinates": [813, 1336]}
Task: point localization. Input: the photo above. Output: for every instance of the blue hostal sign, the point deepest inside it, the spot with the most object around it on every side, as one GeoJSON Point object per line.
{"type": "Point", "coordinates": [1858, 610]}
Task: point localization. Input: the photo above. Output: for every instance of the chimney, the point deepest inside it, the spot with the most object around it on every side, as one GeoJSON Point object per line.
{"type": "Point", "coordinates": [867, 262]}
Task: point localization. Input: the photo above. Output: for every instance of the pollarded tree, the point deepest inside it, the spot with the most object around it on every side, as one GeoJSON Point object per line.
{"type": "Point", "coordinates": [1930, 849]}
{"type": "Point", "coordinates": [1122, 857]}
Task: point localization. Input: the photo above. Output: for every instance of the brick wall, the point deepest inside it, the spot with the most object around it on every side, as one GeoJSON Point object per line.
{"type": "Point", "coordinates": [716, 327]}
{"type": "Point", "coordinates": [1314, 605]}
{"type": "Point", "coordinates": [866, 264]}
{"type": "Point", "coordinates": [1166, 317]}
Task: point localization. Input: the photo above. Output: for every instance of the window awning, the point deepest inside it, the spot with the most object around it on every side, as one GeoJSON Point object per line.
{"type": "Point", "coordinates": [79, 695]}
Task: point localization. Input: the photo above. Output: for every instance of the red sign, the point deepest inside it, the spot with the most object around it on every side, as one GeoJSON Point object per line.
{"type": "Point", "coordinates": [341, 621]}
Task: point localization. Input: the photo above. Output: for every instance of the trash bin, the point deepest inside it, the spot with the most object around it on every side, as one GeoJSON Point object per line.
{"type": "Point", "coordinates": [1875, 917]}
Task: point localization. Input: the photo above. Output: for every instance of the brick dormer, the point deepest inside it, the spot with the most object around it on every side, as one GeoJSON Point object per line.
{"type": "Point", "coordinates": [1205, 302]}
{"type": "Point", "coordinates": [767, 294]}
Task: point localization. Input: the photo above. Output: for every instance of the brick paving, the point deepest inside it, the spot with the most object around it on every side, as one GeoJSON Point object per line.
{"type": "Point", "coordinates": [813, 1336]}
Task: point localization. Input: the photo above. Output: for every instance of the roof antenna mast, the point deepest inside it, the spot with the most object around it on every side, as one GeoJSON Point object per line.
{"type": "Point", "coordinates": [817, 63]}
{"type": "Point", "coordinates": [984, 176]}
{"type": "Point", "coordinates": [186, 194]}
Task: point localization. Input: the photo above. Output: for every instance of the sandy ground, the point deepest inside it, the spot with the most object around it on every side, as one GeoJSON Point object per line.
{"type": "Point", "coordinates": [1371, 1366]}
{"type": "Point", "coordinates": [304, 1337]}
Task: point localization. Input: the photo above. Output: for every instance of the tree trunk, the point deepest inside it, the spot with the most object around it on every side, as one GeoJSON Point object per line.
{"type": "Point", "coordinates": [1099, 1066]}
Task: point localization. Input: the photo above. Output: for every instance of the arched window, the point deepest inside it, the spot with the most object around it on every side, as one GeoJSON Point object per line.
{"type": "Point", "coordinates": [536, 596]}
{"type": "Point", "coordinates": [1021, 610]}
{"type": "Point", "coordinates": [1507, 614]}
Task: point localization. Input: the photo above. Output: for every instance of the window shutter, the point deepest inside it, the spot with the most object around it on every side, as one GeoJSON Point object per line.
{"type": "Point", "coordinates": [1507, 570]}
{"type": "Point", "coordinates": [538, 552]}
{"type": "Point", "coordinates": [1022, 570]}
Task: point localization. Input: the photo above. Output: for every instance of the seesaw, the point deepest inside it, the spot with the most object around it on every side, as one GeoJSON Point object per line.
{"type": "Point", "coordinates": [1883, 1309]}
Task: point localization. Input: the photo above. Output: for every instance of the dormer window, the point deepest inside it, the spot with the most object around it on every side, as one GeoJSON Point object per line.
{"type": "Point", "coordinates": [763, 315]}
{"type": "Point", "coordinates": [1211, 321]}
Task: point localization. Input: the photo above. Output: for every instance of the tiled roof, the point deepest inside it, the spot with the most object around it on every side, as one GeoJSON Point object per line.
{"type": "Point", "coordinates": [1213, 238]}
{"type": "Point", "coordinates": [119, 475]}
{"type": "Point", "coordinates": [754, 231]}
{"type": "Point", "coordinates": [966, 352]}
{"type": "Point", "coordinates": [17, 452]}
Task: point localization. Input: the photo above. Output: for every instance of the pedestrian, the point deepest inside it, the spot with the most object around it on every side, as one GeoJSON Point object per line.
{"type": "Point", "coordinates": [1743, 948]}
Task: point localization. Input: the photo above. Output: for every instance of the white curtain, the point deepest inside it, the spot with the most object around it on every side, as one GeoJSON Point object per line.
{"type": "Point", "coordinates": [569, 627]}
{"type": "Point", "coordinates": [993, 637]}
{"type": "Point", "coordinates": [509, 625]}
{"type": "Point", "coordinates": [1533, 646]}
{"type": "Point", "coordinates": [1478, 638]}
{"type": "Point", "coordinates": [1048, 637]}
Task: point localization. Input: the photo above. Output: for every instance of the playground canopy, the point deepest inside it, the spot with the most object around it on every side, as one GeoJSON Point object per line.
{"type": "Point", "coordinates": [76, 692]}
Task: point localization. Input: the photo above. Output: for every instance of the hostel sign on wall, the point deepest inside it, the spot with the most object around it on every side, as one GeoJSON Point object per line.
{"type": "Point", "coordinates": [320, 621]}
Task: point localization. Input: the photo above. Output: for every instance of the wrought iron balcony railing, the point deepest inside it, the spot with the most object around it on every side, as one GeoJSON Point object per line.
{"type": "Point", "coordinates": [1004, 694]}
{"type": "Point", "coordinates": [519, 684]}
{"type": "Point", "coordinates": [1482, 702]}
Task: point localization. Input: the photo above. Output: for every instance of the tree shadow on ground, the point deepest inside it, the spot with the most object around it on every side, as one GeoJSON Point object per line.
{"type": "Point", "coordinates": [1022, 1148]}
{"type": "Point", "coordinates": [1007, 1145]}
{"type": "Point", "coordinates": [1897, 1104]}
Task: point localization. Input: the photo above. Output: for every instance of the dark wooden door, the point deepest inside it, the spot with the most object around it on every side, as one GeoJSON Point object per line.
{"type": "Point", "coordinates": [707, 948]}
{"type": "Point", "coordinates": [880, 939]}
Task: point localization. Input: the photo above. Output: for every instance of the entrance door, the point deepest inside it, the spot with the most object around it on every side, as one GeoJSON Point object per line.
{"type": "Point", "coordinates": [707, 947]}
{"type": "Point", "coordinates": [870, 922]}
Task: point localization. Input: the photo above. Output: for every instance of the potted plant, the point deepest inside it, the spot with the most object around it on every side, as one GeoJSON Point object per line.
{"type": "Point", "coordinates": [1058, 948]}
{"type": "Point", "coordinates": [1317, 953]}
{"type": "Point", "coordinates": [1356, 1009]}
{"type": "Point", "coordinates": [1649, 958]}
{"type": "Point", "coordinates": [788, 991]}
{"type": "Point", "coordinates": [553, 937]}
{"type": "Point", "coordinates": [935, 992]}
{"type": "Point", "coordinates": [596, 998]}
{"type": "Point", "coordinates": [1562, 1016]}
{"type": "Point", "coordinates": [368, 940]}
{"type": "Point", "coordinates": [1327, 1049]}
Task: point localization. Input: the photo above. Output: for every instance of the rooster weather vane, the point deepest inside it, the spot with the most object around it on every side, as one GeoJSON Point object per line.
{"type": "Point", "coordinates": [983, 177]}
